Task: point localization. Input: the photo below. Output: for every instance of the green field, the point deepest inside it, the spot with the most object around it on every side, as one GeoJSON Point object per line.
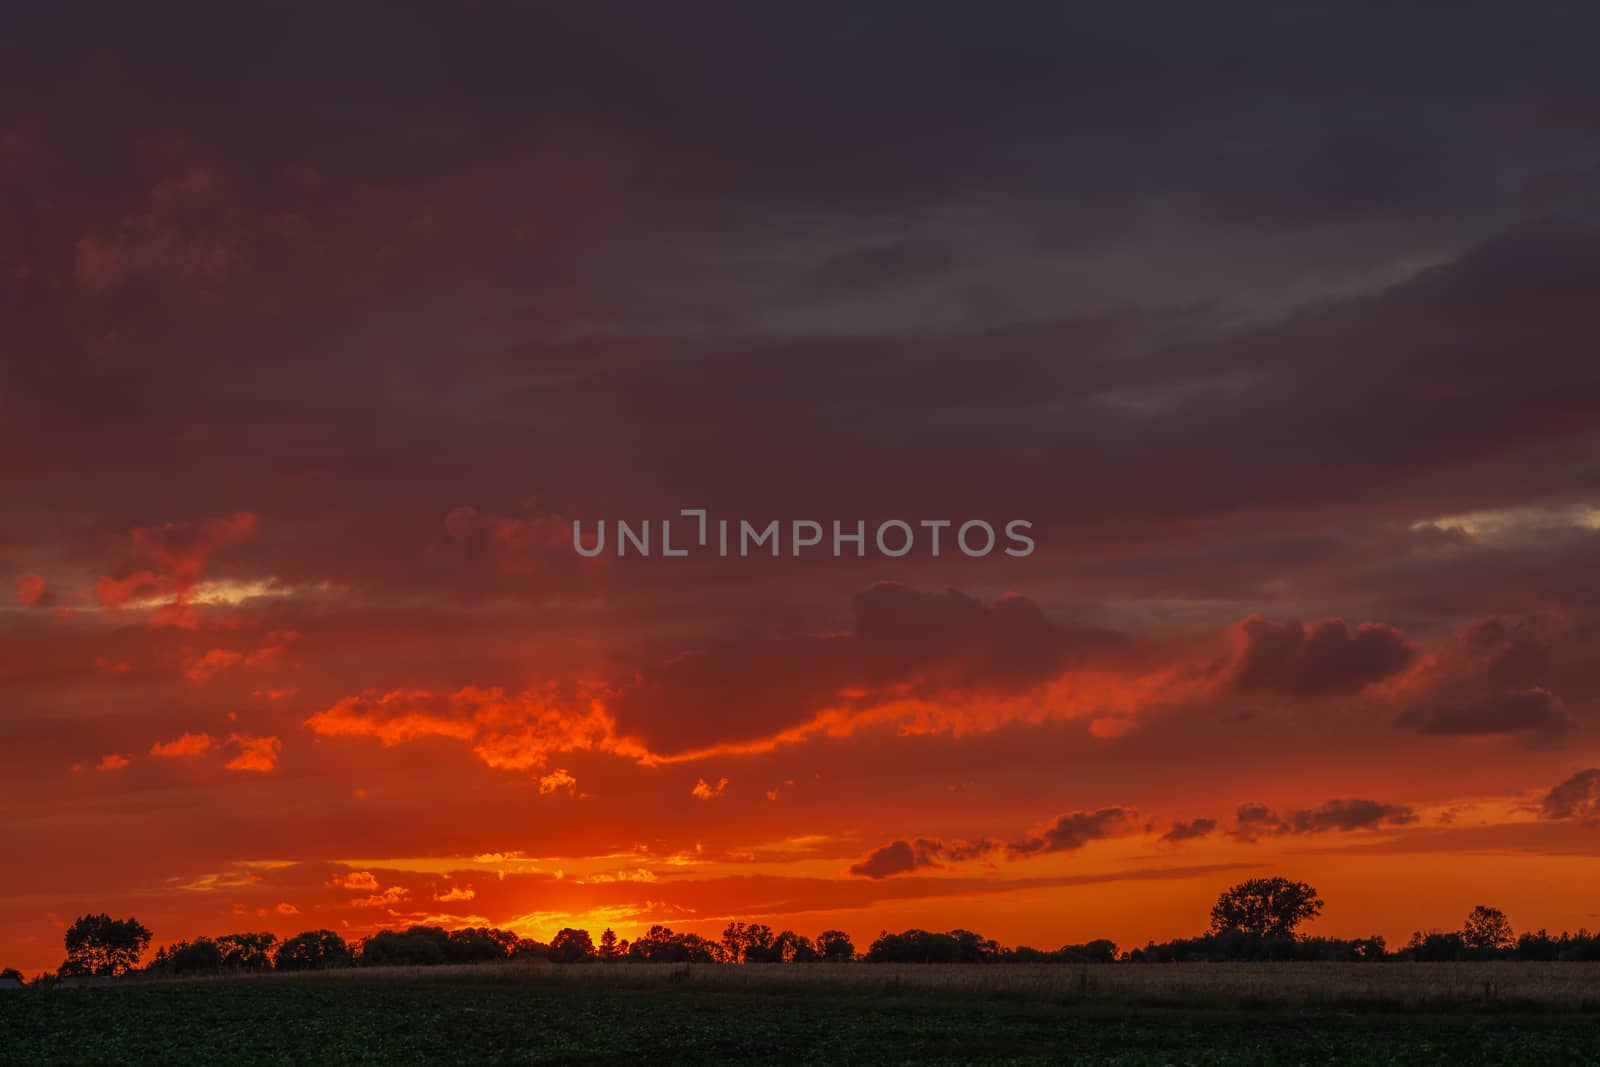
{"type": "Point", "coordinates": [666, 1015]}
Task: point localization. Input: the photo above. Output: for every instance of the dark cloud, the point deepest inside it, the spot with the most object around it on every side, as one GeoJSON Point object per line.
{"type": "Point", "coordinates": [1343, 815]}
{"type": "Point", "coordinates": [1074, 830]}
{"type": "Point", "coordinates": [1329, 657]}
{"type": "Point", "coordinates": [1066, 833]}
{"type": "Point", "coordinates": [1576, 798]}
{"type": "Point", "coordinates": [1493, 677]}
{"type": "Point", "coordinates": [1522, 711]}
{"type": "Point", "coordinates": [904, 642]}
{"type": "Point", "coordinates": [963, 644]}
{"type": "Point", "coordinates": [903, 857]}
{"type": "Point", "coordinates": [897, 857]}
{"type": "Point", "coordinates": [1190, 831]}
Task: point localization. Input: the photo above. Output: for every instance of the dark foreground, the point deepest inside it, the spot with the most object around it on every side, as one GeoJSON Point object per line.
{"type": "Point", "coordinates": [407, 1021]}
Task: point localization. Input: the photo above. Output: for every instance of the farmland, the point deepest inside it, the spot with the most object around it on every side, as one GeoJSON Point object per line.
{"type": "Point", "coordinates": [517, 1013]}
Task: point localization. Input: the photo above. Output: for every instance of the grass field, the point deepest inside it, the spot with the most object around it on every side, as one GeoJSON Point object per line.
{"type": "Point", "coordinates": [1180, 1014]}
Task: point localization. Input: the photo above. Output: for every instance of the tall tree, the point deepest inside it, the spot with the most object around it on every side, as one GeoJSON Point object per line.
{"type": "Point", "coordinates": [99, 944]}
{"type": "Point", "coordinates": [1487, 928]}
{"type": "Point", "coordinates": [1267, 907]}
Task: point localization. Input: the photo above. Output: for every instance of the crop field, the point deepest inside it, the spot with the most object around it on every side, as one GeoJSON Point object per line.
{"type": "Point", "coordinates": [852, 1013]}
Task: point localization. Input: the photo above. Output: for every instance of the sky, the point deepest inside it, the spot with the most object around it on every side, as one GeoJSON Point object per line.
{"type": "Point", "coordinates": [322, 327]}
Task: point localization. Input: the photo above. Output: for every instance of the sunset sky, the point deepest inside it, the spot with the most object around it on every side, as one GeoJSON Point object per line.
{"type": "Point", "coordinates": [318, 329]}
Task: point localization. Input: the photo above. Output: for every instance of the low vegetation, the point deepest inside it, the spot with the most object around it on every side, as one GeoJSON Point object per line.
{"type": "Point", "coordinates": [541, 1012]}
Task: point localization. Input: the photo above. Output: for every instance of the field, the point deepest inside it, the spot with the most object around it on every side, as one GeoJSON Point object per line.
{"type": "Point", "coordinates": [1177, 1014]}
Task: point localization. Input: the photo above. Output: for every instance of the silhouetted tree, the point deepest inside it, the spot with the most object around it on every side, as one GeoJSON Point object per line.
{"type": "Point", "coordinates": [527, 948]}
{"type": "Point", "coordinates": [314, 950]}
{"type": "Point", "coordinates": [660, 945]}
{"type": "Point", "coordinates": [790, 947]}
{"type": "Point", "coordinates": [571, 946]}
{"type": "Point", "coordinates": [696, 949]}
{"type": "Point", "coordinates": [200, 956]}
{"type": "Point", "coordinates": [247, 952]}
{"type": "Point", "coordinates": [1267, 907]}
{"type": "Point", "coordinates": [608, 948]}
{"type": "Point", "coordinates": [835, 946]}
{"type": "Point", "coordinates": [921, 946]}
{"type": "Point", "coordinates": [99, 944]}
{"type": "Point", "coordinates": [1487, 929]}
{"type": "Point", "coordinates": [416, 946]}
{"type": "Point", "coordinates": [749, 943]}
{"type": "Point", "coordinates": [11, 973]}
{"type": "Point", "coordinates": [1579, 947]}
{"type": "Point", "coordinates": [479, 944]}
{"type": "Point", "coordinates": [1435, 946]}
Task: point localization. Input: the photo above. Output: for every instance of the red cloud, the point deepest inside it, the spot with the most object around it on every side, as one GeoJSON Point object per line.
{"type": "Point", "coordinates": [199, 668]}
{"type": "Point", "coordinates": [169, 562]}
{"type": "Point", "coordinates": [30, 589]}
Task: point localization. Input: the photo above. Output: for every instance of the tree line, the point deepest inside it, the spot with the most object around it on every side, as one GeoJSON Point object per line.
{"type": "Point", "coordinates": [1256, 920]}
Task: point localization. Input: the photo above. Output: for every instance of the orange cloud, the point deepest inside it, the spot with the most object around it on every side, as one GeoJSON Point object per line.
{"type": "Point", "coordinates": [455, 893]}
{"type": "Point", "coordinates": [362, 880]}
{"type": "Point", "coordinates": [557, 780]}
{"type": "Point", "coordinates": [509, 732]}
{"type": "Point", "coordinates": [112, 762]}
{"type": "Point", "coordinates": [388, 898]}
{"type": "Point", "coordinates": [255, 753]}
{"type": "Point", "coordinates": [704, 790]}
{"type": "Point", "coordinates": [186, 744]}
